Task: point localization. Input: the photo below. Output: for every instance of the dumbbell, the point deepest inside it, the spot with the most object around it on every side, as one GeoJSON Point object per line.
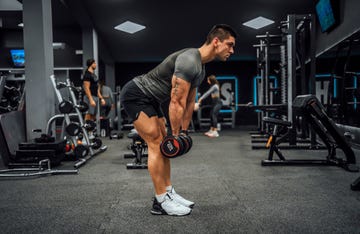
{"type": "Point", "coordinates": [187, 140]}
{"type": "Point", "coordinates": [73, 129]}
{"type": "Point", "coordinates": [90, 125]}
{"type": "Point", "coordinates": [96, 143]}
{"type": "Point", "coordinates": [174, 146]}
{"type": "Point", "coordinates": [66, 107]}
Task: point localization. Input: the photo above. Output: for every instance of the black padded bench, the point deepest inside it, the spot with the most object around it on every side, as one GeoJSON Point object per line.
{"type": "Point", "coordinates": [314, 113]}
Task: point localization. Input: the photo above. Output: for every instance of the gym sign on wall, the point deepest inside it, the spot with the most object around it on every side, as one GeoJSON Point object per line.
{"type": "Point", "coordinates": [259, 93]}
{"type": "Point", "coordinates": [228, 91]}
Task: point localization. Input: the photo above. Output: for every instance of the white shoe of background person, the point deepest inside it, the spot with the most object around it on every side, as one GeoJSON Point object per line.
{"type": "Point", "coordinates": [207, 133]}
{"type": "Point", "coordinates": [213, 134]}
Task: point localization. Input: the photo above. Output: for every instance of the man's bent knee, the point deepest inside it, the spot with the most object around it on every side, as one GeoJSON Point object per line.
{"type": "Point", "coordinates": [148, 128]}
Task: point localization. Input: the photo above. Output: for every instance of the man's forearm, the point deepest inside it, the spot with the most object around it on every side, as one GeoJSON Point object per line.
{"type": "Point", "coordinates": [176, 113]}
{"type": "Point", "coordinates": [179, 97]}
{"type": "Point", "coordinates": [187, 116]}
{"type": "Point", "coordinates": [189, 110]}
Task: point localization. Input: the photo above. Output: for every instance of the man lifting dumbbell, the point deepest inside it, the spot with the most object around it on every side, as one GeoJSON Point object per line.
{"type": "Point", "coordinates": [176, 78]}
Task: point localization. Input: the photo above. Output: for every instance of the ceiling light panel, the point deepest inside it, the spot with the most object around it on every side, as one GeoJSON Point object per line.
{"type": "Point", "coordinates": [130, 27]}
{"type": "Point", "coordinates": [258, 22]}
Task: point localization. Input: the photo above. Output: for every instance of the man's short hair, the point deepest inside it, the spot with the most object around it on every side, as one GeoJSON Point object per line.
{"type": "Point", "coordinates": [221, 31]}
{"type": "Point", "coordinates": [89, 62]}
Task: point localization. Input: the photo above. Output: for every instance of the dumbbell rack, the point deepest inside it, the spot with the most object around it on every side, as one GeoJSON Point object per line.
{"type": "Point", "coordinates": [92, 152]}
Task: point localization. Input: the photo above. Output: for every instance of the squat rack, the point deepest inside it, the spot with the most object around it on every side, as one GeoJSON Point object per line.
{"type": "Point", "coordinates": [296, 68]}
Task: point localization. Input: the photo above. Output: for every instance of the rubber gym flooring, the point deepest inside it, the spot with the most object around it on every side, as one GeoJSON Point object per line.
{"type": "Point", "coordinates": [232, 191]}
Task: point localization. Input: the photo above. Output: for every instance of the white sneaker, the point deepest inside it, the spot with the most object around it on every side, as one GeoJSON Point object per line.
{"type": "Point", "coordinates": [208, 132]}
{"type": "Point", "coordinates": [213, 134]}
{"type": "Point", "coordinates": [169, 207]}
{"type": "Point", "coordinates": [179, 199]}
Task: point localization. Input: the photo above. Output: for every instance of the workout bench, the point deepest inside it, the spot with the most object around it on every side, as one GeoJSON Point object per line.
{"type": "Point", "coordinates": [310, 107]}
{"type": "Point", "coordinates": [139, 148]}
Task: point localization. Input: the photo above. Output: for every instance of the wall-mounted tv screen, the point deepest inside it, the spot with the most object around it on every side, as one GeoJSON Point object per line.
{"type": "Point", "coordinates": [18, 57]}
{"type": "Point", "coordinates": [327, 12]}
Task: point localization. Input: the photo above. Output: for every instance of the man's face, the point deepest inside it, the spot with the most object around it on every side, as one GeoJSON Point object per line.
{"type": "Point", "coordinates": [93, 65]}
{"type": "Point", "coordinates": [224, 48]}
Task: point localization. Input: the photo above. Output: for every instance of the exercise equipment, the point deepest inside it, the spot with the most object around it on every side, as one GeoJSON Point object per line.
{"type": "Point", "coordinates": [66, 107]}
{"type": "Point", "coordinates": [26, 159]}
{"type": "Point", "coordinates": [90, 125]}
{"type": "Point", "coordinates": [84, 147]}
{"type": "Point", "coordinates": [175, 146]}
{"type": "Point", "coordinates": [187, 140]}
{"type": "Point", "coordinates": [172, 146]}
{"type": "Point", "coordinates": [314, 113]}
{"type": "Point", "coordinates": [73, 129]}
{"type": "Point", "coordinates": [43, 147]}
{"type": "Point", "coordinates": [139, 148]}
{"type": "Point", "coordinates": [11, 94]}
{"type": "Point", "coordinates": [96, 143]}
{"type": "Point", "coordinates": [43, 169]}
{"type": "Point", "coordinates": [294, 75]}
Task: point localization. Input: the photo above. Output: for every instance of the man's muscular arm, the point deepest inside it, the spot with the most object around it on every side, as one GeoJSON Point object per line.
{"type": "Point", "coordinates": [189, 109]}
{"type": "Point", "coordinates": [86, 86]}
{"type": "Point", "coordinates": [179, 96]}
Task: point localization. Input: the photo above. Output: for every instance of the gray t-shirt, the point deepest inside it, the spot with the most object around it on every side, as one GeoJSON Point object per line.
{"type": "Point", "coordinates": [185, 64]}
{"type": "Point", "coordinates": [106, 92]}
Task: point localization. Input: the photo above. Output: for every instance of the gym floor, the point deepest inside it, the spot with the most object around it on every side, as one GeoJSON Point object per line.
{"type": "Point", "coordinates": [232, 191]}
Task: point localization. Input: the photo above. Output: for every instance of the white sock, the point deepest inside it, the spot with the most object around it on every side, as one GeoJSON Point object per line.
{"type": "Point", "coordinates": [161, 197]}
{"type": "Point", "coordinates": [169, 188]}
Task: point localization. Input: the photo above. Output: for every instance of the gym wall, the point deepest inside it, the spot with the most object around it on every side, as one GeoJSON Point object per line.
{"type": "Point", "coordinates": [66, 57]}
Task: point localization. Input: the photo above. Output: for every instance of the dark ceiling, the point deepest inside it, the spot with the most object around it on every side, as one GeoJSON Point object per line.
{"type": "Point", "coordinates": [170, 25]}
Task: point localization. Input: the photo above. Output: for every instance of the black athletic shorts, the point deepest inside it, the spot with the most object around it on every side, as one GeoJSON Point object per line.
{"type": "Point", "coordinates": [92, 109]}
{"type": "Point", "coordinates": [134, 101]}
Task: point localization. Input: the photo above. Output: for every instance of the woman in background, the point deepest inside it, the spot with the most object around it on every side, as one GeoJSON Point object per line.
{"type": "Point", "coordinates": [216, 105]}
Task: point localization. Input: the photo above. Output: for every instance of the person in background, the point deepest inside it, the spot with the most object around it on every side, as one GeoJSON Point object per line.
{"type": "Point", "coordinates": [91, 89]}
{"type": "Point", "coordinates": [216, 105]}
{"type": "Point", "coordinates": [107, 95]}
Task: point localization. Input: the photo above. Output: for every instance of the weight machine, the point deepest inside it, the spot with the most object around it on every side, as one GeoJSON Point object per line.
{"type": "Point", "coordinates": [295, 47]}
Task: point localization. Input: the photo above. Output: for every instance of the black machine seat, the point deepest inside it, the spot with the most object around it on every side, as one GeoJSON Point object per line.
{"type": "Point", "coordinates": [313, 111]}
